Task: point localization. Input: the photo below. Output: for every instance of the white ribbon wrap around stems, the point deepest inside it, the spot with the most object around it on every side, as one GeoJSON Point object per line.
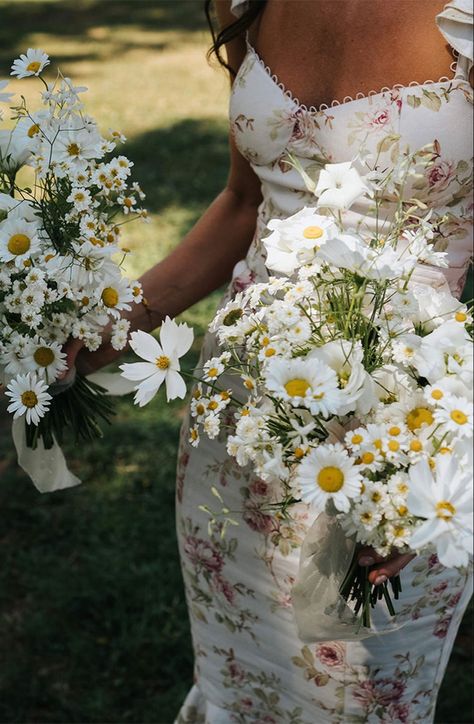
{"type": "Point", "coordinates": [48, 468]}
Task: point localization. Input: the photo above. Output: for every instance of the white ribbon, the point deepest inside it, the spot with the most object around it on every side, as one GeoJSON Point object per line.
{"type": "Point", "coordinates": [48, 468]}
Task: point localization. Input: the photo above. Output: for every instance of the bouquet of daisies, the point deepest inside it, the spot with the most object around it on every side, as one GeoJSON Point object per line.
{"type": "Point", "coordinates": [355, 376]}
{"type": "Point", "coordinates": [60, 254]}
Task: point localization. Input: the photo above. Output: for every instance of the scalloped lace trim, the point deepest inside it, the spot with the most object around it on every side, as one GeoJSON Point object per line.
{"type": "Point", "coordinates": [348, 99]}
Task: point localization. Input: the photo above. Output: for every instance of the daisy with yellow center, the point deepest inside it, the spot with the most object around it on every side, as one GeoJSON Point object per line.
{"type": "Point", "coordinates": [30, 63]}
{"type": "Point", "coordinates": [29, 397]}
{"type": "Point", "coordinates": [325, 473]}
{"type": "Point", "coordinates": [304, 382]}
{"type": "Point", "coordinates": [46, 359]}
{"type": "Point", "coordinates": [18, 241]}
{"type": "Point", "coordinates": [455, 415]}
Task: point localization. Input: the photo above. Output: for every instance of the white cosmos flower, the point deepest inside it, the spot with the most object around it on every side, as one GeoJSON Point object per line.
{"type": "Point", "coordinates": [446, 349]}
{"type": "Point", "coordinates": [357, 387]}
{"type": "Point", "coordinates": [339, 185]}
{"type": "Point", "coordinates": [444, 500]}
{"type": "Point", "coordinates": [295, 240]}
{"type": "Point", "coordinates": [327, 473]}
{"type": "Point", "coordinates": [18, 241]}
{"type": "Point", "coordinates": [30, 63]}
{"type": "Point", "coordinates": [304, 382]}
{"type": "Point", "coordinates": [350, 252]}
{"type": "Point", "coordinates": [161, 361]}
{"type": "Point", "coordinates": [455, 415]}
{"type": "Point", "coordinates": [29, 397]}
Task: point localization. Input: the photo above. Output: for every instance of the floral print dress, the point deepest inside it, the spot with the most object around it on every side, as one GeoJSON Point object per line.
{"type": "Point", "coordinates": [250, 665]}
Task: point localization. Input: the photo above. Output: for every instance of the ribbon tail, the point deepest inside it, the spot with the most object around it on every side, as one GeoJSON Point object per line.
{"type": "Point", "coordinates": [47, 468]}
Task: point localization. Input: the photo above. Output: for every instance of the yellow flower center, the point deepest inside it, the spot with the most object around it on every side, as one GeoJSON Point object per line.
{"type": "Point", "coordinates": [212, 372]}
{"type": "Point", "coordinates": [225, 395]}
{"type": "Point", "coordinates": [110, 297]}
{"type": "Point", "coordinates": [43, 356]}
{"type": "Point", "coordinates": [460, 317]}
{"type": "Point", "coordinates": [437, 394]}
{"type": "Point", "coordinates": [313, 232]}
{"type": "Point", "coordinates": [249, 384]}
{"type": "Point", "coordinates": [356, 439]}
{"type": "Point", "coordinates": [136, 291]}
{"type": "Point", "coordinates": [34, 66]}
{"type": "Point", "coordinates": [402, 510]}
{"type": "Point", "coordinates": [445, 450]}
{"type": "Point", "coordinates": [330, 479]}
{"type": "Point", "coordinates": [368, 458]}
{"type": "Point", "coordinates": [416, 446]}
{"type": "Point", "coordinates": [128, 202]}
{"type": "Point", "coordinates": [398, 531]}
{"type": "Point", "coordinates": [269, 352]}
{"type": "Point", "coordinates": [445, 510]}
{"type": "Point", "coordinates": [299, 452]}
{"type": "Point", "coordinates": [376, 497]}
{"type": "Point", "coordinates": [73, 149]}
{"type": "Point", "coordinates": [85, 301]}
{"type": "Point", "coordinates": [297, 387]}
{"type": "Point", "coordinates": [212, 405]}
{"type": "Point", "coordinates": [33, 130]}
{"type": "Point", "coordinates": [193, 434]}
{"type": "Point", "coordinates": [162, 362]}
{"type": "Point", "coordinates": [29, 398]}
{"type": "Point", "coordinates": [419, 416]}
{"type": "Point", "coordinates": [378, 444]}
{"type": "Point", "coordinates": [393, 445]}
{"type": "Point", "coordinates": [458, 417]}
{"type": "Point", "coordinates": [200, 409]}
{"type": "Point", "coordinates": [18, 244]}
{"type": "Point", "coordinates": [394, 431]}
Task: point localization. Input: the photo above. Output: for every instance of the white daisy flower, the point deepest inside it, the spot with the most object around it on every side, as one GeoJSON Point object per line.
{"type": "Point", "coordinates": [30, 63]}
{"type": "Point", "coordinates": [194, 436]}
{"type": "Point", "coordinates": [327, 473]}
{"type": "Point", "coordinates": [29, 397]}
{"type": "Point", "coordinates": [81, 198]}
{"type": "Point", "coordinates": [115, 296]}
{"type": "Point", "coordinates": [18, 241]}
{"type": "Point", "coordinates": [455, 414]}
{"type": "Point", "coordinates": [161, 361]}
{"type": "Point", "coordinates": [211, 425]}
{"type": "Point", "coordinates": [304, 382]}
{"type": "Point", "coordinates": [444, 501]}
{"type": "Point", "coordinates": [46, 360]}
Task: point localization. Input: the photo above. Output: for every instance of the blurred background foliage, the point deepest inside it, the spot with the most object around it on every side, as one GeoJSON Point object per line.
{"type": "Point", "coordinates": [93, 623]}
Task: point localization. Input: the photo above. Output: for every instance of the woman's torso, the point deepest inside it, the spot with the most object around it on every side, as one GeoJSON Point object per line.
{"type": "Point", "coordinates": [269, 123]}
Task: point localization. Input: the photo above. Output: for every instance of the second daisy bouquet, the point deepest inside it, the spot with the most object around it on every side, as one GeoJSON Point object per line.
{"type": "Point", "coordinates": [59, 232]}
{"type": "Point", "coordinates": [355, 377]}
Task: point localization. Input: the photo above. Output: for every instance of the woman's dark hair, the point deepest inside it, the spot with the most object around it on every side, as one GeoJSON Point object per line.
{"type": "Point", "coordinates": [232, 31]}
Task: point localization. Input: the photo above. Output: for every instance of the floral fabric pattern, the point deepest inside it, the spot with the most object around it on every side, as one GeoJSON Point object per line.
{"type": "Point", "coordinates": [251, 667]}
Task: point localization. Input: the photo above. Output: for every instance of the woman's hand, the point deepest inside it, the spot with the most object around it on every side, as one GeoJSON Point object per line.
{"type": "Point", "coordinates": [383, 568]}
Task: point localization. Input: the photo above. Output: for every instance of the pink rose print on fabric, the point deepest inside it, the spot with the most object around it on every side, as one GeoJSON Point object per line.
{"type": "Point", "coordinates": [201, 553]}
{"type": "Point", "coordinates": [331, 654]}
{"type": "Point", "coordinates": [441, 174]}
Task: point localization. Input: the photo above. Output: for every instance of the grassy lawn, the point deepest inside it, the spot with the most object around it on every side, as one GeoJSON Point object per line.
{"type": "Point", "coordinates": [93, 625]}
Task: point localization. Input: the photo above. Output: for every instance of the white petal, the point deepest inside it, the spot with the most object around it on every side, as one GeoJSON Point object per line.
{"type": "Point", "coordinates": [138, 370]}
{"type": "Point", "coordinates": [175, 385]}
{"type": "Point", "coordinates": [145, 345]}
{"type": "Point", "coordinates": [427, 532]}
{"type": "Point", "coordinates": [185, 339]}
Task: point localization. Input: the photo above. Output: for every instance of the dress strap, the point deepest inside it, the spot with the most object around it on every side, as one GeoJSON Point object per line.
{"type": "Point", "coordinates": [455, 22]}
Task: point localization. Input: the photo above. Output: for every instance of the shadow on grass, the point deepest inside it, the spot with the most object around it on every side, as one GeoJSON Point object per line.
{"type": "Point", "coordinates": [184, 164]}
{"type": "Point", "coordinates": [80, 19]}
{"type": "Point", "coordinates": [93, 624]}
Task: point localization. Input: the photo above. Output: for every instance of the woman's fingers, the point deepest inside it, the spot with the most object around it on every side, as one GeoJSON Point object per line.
{"type": "Point", "coordinates": [367, 556]}
{"type": "Point", "coordinates": [389, 567]}
{"type": "Point", "coordinates": [383, 568]}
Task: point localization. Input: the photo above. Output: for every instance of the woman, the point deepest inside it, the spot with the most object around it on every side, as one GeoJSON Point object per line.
{"type": "Point", "coordinates": [250, 664]}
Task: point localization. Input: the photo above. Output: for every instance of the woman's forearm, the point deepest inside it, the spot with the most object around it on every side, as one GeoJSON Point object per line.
{"type": "Point", "coordinates": [201, 263]}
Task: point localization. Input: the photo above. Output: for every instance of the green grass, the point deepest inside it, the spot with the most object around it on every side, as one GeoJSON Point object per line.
{"type": "Point", "coordinates": [93, 624]}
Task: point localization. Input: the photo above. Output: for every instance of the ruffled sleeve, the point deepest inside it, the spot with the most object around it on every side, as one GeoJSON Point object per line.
{"type": "Point", "coordinates": [455, 22]}
{"type": "Point", "coordinates": [238, 7]}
